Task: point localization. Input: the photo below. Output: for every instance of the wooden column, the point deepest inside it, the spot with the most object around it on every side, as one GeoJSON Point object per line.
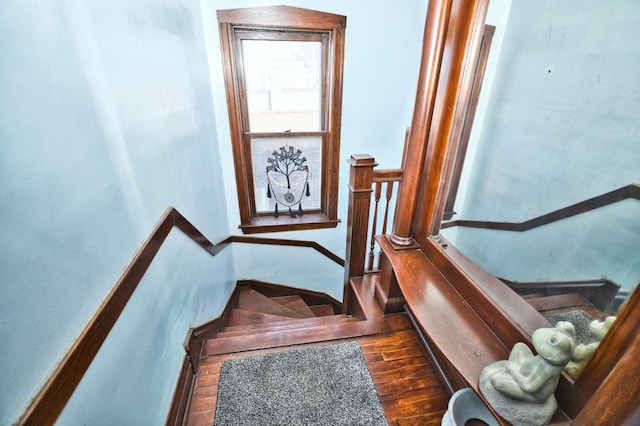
{"type": "Point", "coordinates": [437, 20]}
{"type": "Point", "coordinates": [464, 33]}
{"type": "Point", "coordinates": [360, 182]}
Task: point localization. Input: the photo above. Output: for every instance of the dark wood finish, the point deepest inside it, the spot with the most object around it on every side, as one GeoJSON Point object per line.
{"type": "Point", "coordinates": [311, 298]}
{"type": "Point", "coordinates": [599, 291]}
{"type": "Point", "coordinates": [466, 120]}
{"type": "Point", "coordinates": [462, 43]}
{"type": "Point", "coordinates": [464, 327]}
{"type": "Point", "coordinates": [402, 373]}
{"type": "Point", "coordinates": [287, 242]}
{"type": "Point", "coordinates": [562, 303]}
{"type": "Point", "coordinates": [321, 328]}
{"type": "Point", "coordinates": [365, 306]}
{"type": "Point", "coordinates": [620, 194]}
{"type": "Point", "coordinates": [182, 395]}
{"type": "Point", "coordinates": [388, 293]}
{"type": "Point", "coordinates": [437, 20]}
{"type": "Point", "coordinates": [388, 178]}
{"type": "Point", "coordinates": [360, 178]}
{"type": "Point", "coordinates": [53, 396]}
{"type": "Point", "coordinates": [301, 21]}
{"type": "Point", "coordinates": [243, 318]}
{"type": "Point", "coordinates": [250, 299]}
{"type": "Point", "coordinates": [511, 318]}
{"type": "Point", "coordinates": [611, 358]}
{"type": "Point", "coordinates": [615, 400]}
{"type": "Point", "coordinates": [296, 304]}
{"type": "Point", "coordinates": [281, 242]}
{"type": "Point", "coordinates": [322, 310]}
{"type": "Point", "coordinates": [492, 317]}
{"type": "Point", "coordinates": [257, 322]}
{"type": "Point", "coordinates": [197, 335]}
{"type": "Point", "coordinates": [282, 17]}
{"type": "Point", "coordinates": [263, 224]}
{"type": "Point", "coordinates": [437, 306]}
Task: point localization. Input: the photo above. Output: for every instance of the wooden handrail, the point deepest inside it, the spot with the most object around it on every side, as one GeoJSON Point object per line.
{"type": "Point", "coordinates": [54, 395]}
{"type": "Point", "coordinates": [284, 242]}
{"type": "Point", "coordinates": [620, 194]}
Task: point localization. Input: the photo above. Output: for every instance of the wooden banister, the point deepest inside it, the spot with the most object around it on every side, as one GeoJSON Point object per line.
{"type": "Point", "coordinates": [620, 194]}
{"type": "Point", "coordinates": [53, 396]}
{"type": "Point", "coordinates": [360, 179]}
{"type": "Point", "coordinates": [387, 178]}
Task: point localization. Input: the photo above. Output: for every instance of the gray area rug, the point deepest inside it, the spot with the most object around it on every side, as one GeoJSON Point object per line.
{"type": "Point", "coordinates": [579, 319]}
{"type": "Point", "coordinates": [328, 385]}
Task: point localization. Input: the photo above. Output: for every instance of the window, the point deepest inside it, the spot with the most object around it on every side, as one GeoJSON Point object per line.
{"type": "Point", "coordinates": [283, 77]}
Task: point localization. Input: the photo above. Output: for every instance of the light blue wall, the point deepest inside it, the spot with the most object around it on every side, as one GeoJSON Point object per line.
{"type": "Point", "coordinates": [562, 125]}
{"type": "Point", "coordinates": [382, 57]}
{"type": "Point", "coordinates": [106, 119]}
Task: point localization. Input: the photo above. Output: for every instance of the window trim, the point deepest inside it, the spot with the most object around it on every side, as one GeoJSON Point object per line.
{"type": "Point", "coordinates": [295, 20]}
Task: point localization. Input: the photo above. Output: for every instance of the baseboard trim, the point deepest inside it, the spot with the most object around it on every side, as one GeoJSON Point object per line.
{"type": "Point", "coordinates": [182, 394]}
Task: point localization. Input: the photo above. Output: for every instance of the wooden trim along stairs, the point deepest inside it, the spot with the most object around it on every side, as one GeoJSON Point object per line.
{"type": "Point", "coordinates": [602, 200]}
{"type": "Point", "coordinates": [261, 315]}
{"type": "Point", "coordinates": [257, 322]}
{"type": "Point", "coordinates": [54, 394]}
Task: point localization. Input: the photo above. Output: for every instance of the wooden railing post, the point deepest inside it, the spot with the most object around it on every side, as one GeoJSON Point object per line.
{"type": "Point", "coordinates": [438, 13]}
{"type": "Point", "coordinates": [360, 181]}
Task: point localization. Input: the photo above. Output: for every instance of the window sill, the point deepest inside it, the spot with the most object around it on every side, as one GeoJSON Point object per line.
{"type": "Point", "coordinates": [287, 223]}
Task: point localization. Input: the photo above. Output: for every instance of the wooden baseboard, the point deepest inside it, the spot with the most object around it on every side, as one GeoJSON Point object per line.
{"type": "Point", "coordinates": [182, 394]}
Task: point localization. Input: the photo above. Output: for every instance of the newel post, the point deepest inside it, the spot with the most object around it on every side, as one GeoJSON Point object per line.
{"type": "Point", "coordinates": [360, 182]}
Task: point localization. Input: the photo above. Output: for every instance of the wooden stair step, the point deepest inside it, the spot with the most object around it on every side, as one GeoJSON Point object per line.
{"type": "Point", "coordinates": [295, 303]}
{"type": "Point", "coordinates": [243, 318]}
{"type": "Point", "coordinates": [282, 326]}
{"type": "Point", "coordinates": [251, 300]}
{"type": "Point", "coordinates": [532, 295]}
{"type": "Point", "coordinates": [558, 301]}
{"type": "Point", "coordinates": [342, 330]}
{"type": "Point", "coordinates": [322, 310]}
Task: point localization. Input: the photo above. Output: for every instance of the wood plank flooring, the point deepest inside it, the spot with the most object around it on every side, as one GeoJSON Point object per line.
{"type": "Point", "coordinates": [407, 385]}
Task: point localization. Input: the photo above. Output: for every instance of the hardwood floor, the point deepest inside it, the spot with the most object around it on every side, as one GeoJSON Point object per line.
{"type": "Point", "coordinates": [407, 385]}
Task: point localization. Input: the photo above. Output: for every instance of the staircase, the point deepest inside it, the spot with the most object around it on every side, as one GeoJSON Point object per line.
{"type": "Point", "coordinates": [261, 320]}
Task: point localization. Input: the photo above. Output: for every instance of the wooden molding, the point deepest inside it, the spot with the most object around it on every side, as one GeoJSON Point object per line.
{"type": "Point", "coordinates": [53, 396]}
{"type": "Point", "coordinates": [285, 242]}
{"type": "Point", "coordinates": [620, 194]}
{"type": "Point", "coordinates": [238, 24]}
{"type": "Point", "coordinates": [464, 121]}
{"type": "Point", "coordinates": [310, 297]}
{"type": "Point", "coordinates": [182, 394]}
{"type": "Point", "coordinates": [462, 43]}
{"type": "Point", "coordinates": [414, 154]}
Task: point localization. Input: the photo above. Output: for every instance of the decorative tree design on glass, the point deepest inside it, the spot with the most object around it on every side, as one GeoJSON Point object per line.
{"type": "Point", "coordinates": [287, 179]}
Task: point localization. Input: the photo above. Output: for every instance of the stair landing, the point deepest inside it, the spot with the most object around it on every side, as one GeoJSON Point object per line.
{"type": "Point", "coordinates": [407, 384]}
